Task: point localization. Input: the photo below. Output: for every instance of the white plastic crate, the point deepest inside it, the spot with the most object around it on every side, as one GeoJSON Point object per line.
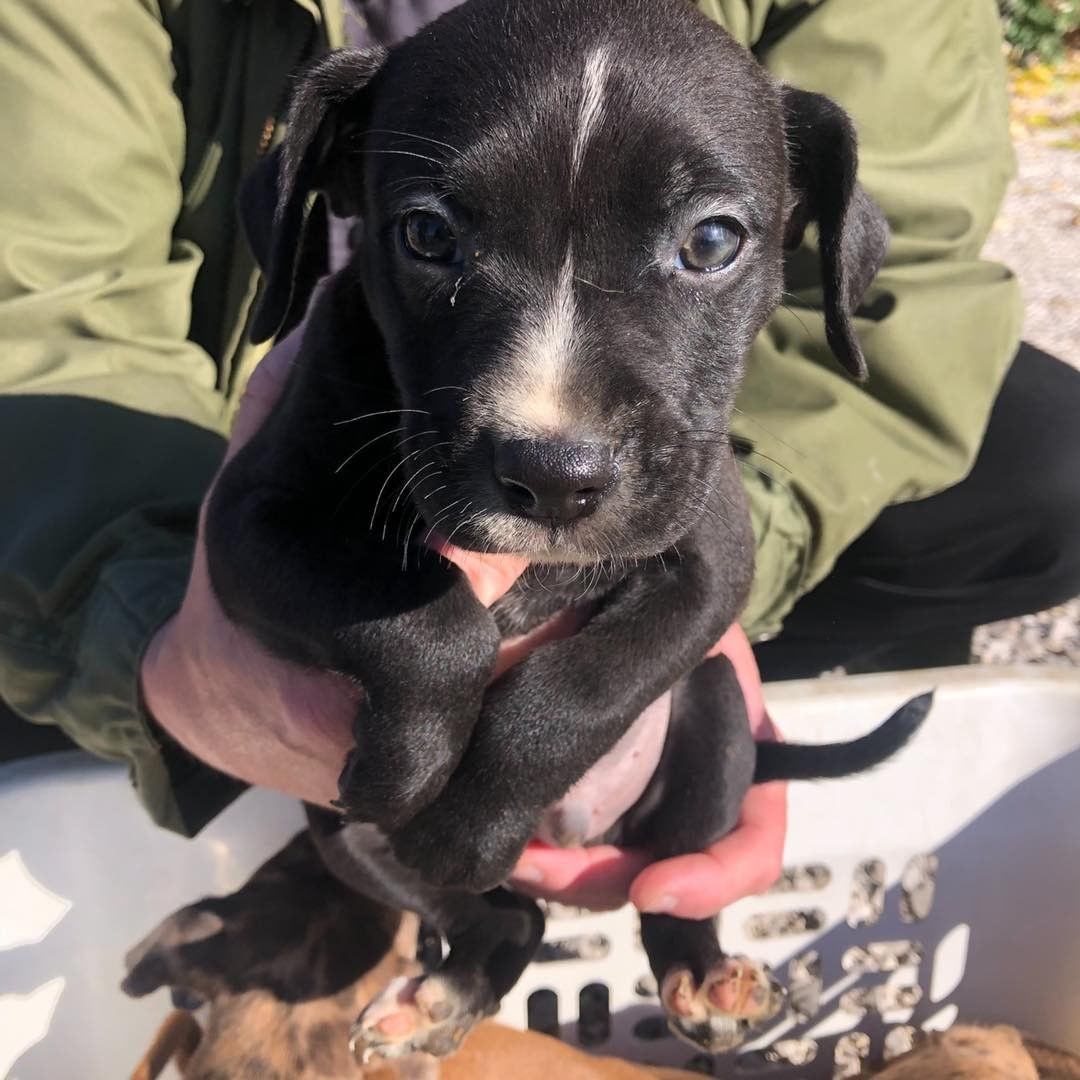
{"type": "Point", "coordinates": [991, 787]}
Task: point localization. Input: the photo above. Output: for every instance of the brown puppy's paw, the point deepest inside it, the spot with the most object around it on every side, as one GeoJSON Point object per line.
{"type": "Point", "coordinates": [412, 1016]}
{"type": "Point", "coordinates": [736, 996]}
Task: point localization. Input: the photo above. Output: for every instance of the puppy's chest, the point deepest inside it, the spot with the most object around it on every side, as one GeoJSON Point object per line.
{"type": "Point", "coordinates": [544, 591]}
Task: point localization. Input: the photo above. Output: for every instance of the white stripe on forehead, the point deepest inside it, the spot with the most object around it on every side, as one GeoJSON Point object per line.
{"type": "Point", "coordinates": [591, 110]}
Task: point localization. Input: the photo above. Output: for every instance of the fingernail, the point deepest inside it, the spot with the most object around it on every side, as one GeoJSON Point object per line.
{"type": "Point", "coordinates": [664, 906]}
{"type": "Point", "coordinates": [530, 873]}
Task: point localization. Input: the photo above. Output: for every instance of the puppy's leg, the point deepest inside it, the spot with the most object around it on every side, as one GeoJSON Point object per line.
{"type": "Point", "coordinates": [712, 1000]}
{"type": "Point", "coordinates": [421, 646]}
{"type": "Point", "coordinates": [492, 938]}
{"type": "Point", "coordinates": [548, 719]}
{"type": "Point", "coordinates": [176, 1040]}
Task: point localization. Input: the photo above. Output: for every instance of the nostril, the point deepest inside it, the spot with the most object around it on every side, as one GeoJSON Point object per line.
{"type": "Point", "coordinates": [518, 491]}
{"type": "Point", "coordinates": [554, 479]}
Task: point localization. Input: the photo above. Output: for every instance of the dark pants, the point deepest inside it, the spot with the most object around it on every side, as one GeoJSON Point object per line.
{"type": "Point", "coordinates": [1003, 542]}
{"type": "Point", "coordinates": [909, 592]}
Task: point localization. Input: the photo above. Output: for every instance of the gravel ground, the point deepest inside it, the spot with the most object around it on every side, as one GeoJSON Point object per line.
{"type": "Point", "coordinates": [1038, 235]}
{"type": "Point", "coordinates": [1051, 637]}
{"type": "Point", "coordinates": [1037, 232]}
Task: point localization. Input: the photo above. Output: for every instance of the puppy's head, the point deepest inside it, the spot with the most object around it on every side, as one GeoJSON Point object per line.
{"type": "Point", "coordinates": [292, 931]}
{"type": "Point", "coordinates": [284, 965]}
{"type": "Point", "coordinates": [574, 224]}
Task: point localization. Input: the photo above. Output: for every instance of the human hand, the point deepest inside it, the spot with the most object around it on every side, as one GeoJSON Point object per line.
{"type": "Point", "coordinates": [746, 861]}
{"type": "Point", "coordinates": [217, 692]}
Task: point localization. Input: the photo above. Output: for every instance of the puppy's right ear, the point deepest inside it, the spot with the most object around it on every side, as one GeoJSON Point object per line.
{"type": "Point", "coordinates": [327, 110]}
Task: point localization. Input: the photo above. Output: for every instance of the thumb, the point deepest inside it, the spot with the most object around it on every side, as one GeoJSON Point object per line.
{"type": "Point", "coordinates": [489, 575]}
{"type": "Point", "coordinates": [263, 390]}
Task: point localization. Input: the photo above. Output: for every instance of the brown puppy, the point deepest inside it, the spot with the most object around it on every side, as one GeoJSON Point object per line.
{"type": "Point", "coordinates": [491, 1052]}
{"type": "Point", "coordinates": [975, 1053]}
{"type": "Point", "coordinates": [286, 963]}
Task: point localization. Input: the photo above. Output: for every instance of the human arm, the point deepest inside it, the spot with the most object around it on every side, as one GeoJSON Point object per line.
{"type": "Point", "coordinates": [111, 424]}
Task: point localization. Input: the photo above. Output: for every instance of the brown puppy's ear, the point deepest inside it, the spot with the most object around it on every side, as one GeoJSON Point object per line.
{"type": "Point", "coordinates": [291, 930]}
{"type": "Point", "coordinates": [327, 110]}
{"type": "Point", "coordinates": [854, 236]}
{"type": "Point", "coordinates": [183, 953]}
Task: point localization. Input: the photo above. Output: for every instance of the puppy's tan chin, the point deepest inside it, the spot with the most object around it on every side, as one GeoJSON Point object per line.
{"type": "Point", "coordinates": [560, 557]}
{"type": "Point", "coordinates": [540, 543]}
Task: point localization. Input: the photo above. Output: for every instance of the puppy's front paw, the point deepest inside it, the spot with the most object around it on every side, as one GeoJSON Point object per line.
{"type": "Point", "coordinates": [471, 848]}
{"type": "Point", "coordinates": [412, 1017]}
{"type": "Point", "coordinates": [398, 766]}
{"type": "Point", "coordinates": [716, 1015]}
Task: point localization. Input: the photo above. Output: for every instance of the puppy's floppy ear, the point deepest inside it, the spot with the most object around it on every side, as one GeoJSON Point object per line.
{"type": "Point", "coordinates": [327, 108]}
{"type": "Point", "coordinates": [291, 930]}
{"type": "Point", "coordinates": [854, 236]}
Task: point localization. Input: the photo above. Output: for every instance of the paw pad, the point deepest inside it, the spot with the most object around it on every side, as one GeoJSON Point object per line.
{"type": "Point", "coordinates": [715, 1015]}
{"type": "Point", "coordinates": [411, 1016]}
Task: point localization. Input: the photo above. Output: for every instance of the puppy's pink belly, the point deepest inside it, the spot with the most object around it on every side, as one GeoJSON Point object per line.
{"type": "Point", "coordinates": [612, 785]}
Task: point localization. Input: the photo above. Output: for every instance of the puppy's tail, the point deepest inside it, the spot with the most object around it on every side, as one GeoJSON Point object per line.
{"type": "Point", "coordinates": [830, 761]}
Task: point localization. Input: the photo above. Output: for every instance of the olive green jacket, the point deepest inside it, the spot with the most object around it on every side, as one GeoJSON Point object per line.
{"type": "Point", "coordinates": [125, 286]}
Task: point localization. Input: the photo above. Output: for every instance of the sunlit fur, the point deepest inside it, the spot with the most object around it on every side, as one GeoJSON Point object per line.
{"type": "Point", "coordinates": [567, 318]}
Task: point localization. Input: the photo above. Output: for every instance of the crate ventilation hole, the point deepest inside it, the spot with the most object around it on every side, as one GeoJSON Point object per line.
{"type": "Point", "coordinates": [899, 960]}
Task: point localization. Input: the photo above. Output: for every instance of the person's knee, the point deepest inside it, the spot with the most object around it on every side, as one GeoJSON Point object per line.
{"type": "Point", "coordinates": [1030, 458]}
{"type": "Point", "coordinates": [1055, 547]}
{"type": "Point", "coordinates": [1068, 575]}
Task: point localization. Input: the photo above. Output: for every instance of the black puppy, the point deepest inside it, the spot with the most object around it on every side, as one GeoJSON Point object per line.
{"type": "Point", "coordinates": [574, 223]}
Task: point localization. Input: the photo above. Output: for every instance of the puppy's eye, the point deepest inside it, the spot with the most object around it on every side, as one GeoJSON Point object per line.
{"type": "Point", "coordinates": [711, 245]}
{"type": "Point", "coordinates": [428, 235]}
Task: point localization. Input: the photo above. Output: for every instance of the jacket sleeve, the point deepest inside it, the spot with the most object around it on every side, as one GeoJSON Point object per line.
{"type": "Point", "coordinates": [925, 84]}
{"type": "Point", "coordinates": [111, 424]}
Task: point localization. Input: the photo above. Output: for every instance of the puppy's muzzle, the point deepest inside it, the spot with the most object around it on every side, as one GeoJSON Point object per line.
{"type": "Point", "coordinates": [551, 480]}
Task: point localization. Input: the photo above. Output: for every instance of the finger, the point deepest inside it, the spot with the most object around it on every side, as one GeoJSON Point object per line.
{"type": "Point", "coordinates": [743, 863]}
{"type": "Point", "coordinates": [489, 575]}
{"type": "Point", "coordinates": [731, 643]}
{"type": "Point", "coordinates": [597, 878]}
{"type": "Point", "coordinates": [514, 649]}
{"type": "Point", "coordinates": [737, 648]}
{"type": "Point", "coordinates": [263, 390]}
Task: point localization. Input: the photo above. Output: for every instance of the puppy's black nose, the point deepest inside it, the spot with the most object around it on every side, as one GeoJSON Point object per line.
{"type": "Point", "coordinates": [558, 481]}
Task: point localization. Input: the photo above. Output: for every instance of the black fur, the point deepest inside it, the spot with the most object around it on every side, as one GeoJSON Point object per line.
{"type": "Point", "coordinates": [572, 147]}
{"type": "Point", "coordinates": [779, 761]}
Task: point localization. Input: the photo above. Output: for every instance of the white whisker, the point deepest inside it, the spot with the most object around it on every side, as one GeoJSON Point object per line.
{"type": "Point", "coordinates": [415, 481]}
{"type": "Point", "coordinates": [406, 458]}
{"type": "Point", "coordinates": [381, 412]}
{"type": "Point", "coordinates": [411, 135]}
{"type": "Point", "coordinates": [361, 449]}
